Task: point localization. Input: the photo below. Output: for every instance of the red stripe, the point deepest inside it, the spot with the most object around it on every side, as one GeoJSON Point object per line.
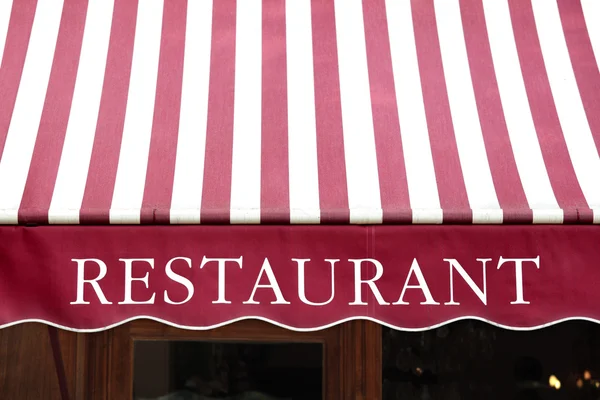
{"type": "Point", "coordinates": [15, 50]}
{"type": "Point", "coordinates": [451, 186]}
{"type": "Point", "coordinates": [109, 131]}
{"type": "Point", "coordinates": [275, 195]}
{"type": "Point", "coordinates": [163, 145]}
{"type": "Point", "coordinates": [55, 115]}
{"type": "Point", "coordinates": [333, 188]}
{"type": "Point", "coordinates": [505, 174]}
{"type": "Point", "coordinates": [216, 190]}
{"type": "Point", "coordinates": [584, 62]}
{"type": "Point", "coordinates": [554, 149]}
{"type": "Point", "coordinates": [393, 185]}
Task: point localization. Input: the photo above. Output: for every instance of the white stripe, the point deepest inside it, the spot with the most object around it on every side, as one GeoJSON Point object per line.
{"type": "Point", "coordinates": [247, 118]}
{"type": "Point", "coordinates": [465, 117]}
{"type": "Point", "coordinates": [359, 136]}
{"type": "Point", "coordinates": [302, 131]}
{"type": "Point", "coordinates": [573, 120]}
{"type": "Point", "coordinates": [189, 165]}
{"type": "Point", "coordinates": [591, 13]}
{"type": "Point", "coordinates": [25, 122]}
{"type": "Point", "coordinates": [521, 129]}
{"type": "Point", "coordinates": [420, 173]}
{"type": "Point", "coordinates": [81, 128]}
{"type": "Point", "coordinates": [137, 129]}
{"type": "Point", "coordinates": [5, 11]}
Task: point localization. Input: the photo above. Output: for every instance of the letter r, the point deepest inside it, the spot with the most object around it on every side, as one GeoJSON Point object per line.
{"type": "Point", "coordinates": [94, 282]}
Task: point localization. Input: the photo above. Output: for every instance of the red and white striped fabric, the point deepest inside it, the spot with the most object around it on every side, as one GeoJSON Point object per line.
{"type": "Point", "coordinates": [299, 111]}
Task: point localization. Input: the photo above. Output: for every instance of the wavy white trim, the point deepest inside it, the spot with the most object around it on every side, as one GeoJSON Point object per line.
{"type": "Point", "coordinates": [291, 328]}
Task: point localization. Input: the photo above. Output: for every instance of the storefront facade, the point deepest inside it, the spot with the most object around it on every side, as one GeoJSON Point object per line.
{"type": "Point", "coordinates": [381, 198]}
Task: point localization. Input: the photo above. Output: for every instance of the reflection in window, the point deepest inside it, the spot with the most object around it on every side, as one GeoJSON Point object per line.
{"type": "Point", "coordinates": [475, 360]}
{"type": "Point", "coordinates": [178, 370]}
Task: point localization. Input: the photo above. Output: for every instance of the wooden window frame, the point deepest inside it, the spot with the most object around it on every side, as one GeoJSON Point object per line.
{"type": "Point", "coordinates": [351, 354]}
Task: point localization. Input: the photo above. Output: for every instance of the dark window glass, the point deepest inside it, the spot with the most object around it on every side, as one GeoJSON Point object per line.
{"type": "Point", "coordinates": [475, 360]}
{"type": "Point", "coordinates": [182, 370]}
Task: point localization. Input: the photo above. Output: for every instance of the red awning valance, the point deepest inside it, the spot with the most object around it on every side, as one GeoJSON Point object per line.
{"type": "Point", "coordinates": [200, 277]}
{"type": "Point", "coordinates": [396, 111]}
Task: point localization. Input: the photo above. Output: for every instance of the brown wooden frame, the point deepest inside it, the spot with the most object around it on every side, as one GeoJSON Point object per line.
{"type": "Point", "coordinates": [352, 354]}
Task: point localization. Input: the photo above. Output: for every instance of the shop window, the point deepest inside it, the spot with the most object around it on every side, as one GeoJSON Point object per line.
{"type": "Point", "coordinates": [475, 360]}
{"type": "Point", "coordinates": [182, 370]}
{"type": "Point", "coordinates": [245, 360]}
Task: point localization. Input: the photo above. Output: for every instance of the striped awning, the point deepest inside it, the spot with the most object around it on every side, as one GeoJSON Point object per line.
{"type": "Point", "coordinates": [299, 111]}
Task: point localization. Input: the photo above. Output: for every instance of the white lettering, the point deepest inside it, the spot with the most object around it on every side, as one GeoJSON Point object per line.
{"type": "Point", "coordinates": [416, 269]}
{"type": "Point", "coordinates": [129, 280]}
{"type": "Point", "coordinates": [273, 285]}
{"type": "Point", "coordinates": [94, 282]}
{"type": "Point", "coordinates": [519, 274]}
{"type": "Point", "coordinates": [358, 281]}
{"type": "Point", "coordinates": [221, 262]}
{"type": "Point", "coordinates": [454, 265]}
{"type": "Point", "coordinates": [301, 281]}
{"type": "Point", "coordinates": [179, 279]}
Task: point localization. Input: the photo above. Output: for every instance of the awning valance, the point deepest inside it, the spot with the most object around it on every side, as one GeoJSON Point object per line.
{"type": "Point", "coordinates": [299, 277]}
{"type": "Point", "coordinates": [299, 111]}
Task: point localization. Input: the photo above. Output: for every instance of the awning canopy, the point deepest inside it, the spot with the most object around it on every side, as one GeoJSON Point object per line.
{"type": "Point", "coordinates": [295, 112]}
{"type": "Point", "coordinates": [372, 111]}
